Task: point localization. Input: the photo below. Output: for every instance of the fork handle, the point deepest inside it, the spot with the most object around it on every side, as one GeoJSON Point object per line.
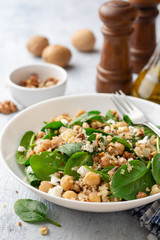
{"type": "Point", "coordinates": [153, 127]}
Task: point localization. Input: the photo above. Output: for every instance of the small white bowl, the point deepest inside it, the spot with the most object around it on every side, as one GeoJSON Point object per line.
{"type": "Point", "coordinates": [28, 96]}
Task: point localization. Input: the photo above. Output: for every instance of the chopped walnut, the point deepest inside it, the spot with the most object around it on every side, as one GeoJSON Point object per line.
{"type": "Point", "coordinates": [7, 107]}
{"type": "Point", "coordinates": [141, 195]}
{"type": "Point", "coordinates": [43, 230]}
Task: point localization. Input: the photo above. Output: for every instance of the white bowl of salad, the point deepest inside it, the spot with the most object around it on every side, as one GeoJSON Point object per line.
{"type": "Point", "coordinates": [77, 152]}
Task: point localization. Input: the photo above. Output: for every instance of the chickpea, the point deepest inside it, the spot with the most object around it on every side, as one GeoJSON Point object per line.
{"type": "Point", "coordinates": [105, 161]}
{"type": "Point", "coordinates": [119, 147]}
{"type": "Point", "coordinates": [92, 178]}
{"type": "Point", "coordinates": [96, 124]}
{"type": "Point", "coordinates": [80, 112]}
{"type": "Point", "coordinates": [70, 195]}
{"type": "Point", "coordinates": [30, 153]}
{"type": "Point", "coordinates": [93, 197]}
{"type": "Point", "coordinates": [66, 182]}
{"type": "Point", "coordinates": [121, 124]}
{"type": "Point", "coordinates": [45, 186]}
{"type": "Point", "coordinates": [46, 144]}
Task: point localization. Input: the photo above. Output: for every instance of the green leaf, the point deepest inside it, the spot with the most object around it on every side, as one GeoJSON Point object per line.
{"type": "Point", "coordinates": [109, 116]}
{"type": "Point", "coordinates": [77, 160]}
{"type": "Point", "coordinates": [32, 178]}
{"type": "Point", "coordinates": [70, 148]}
{"type": "Point", "coordinates": [48, 163]}
{"type": "Point", "coordinates": [128, 185]}
{"type": "Point", "coordinates": [92, 137]}
{"type": "Point", "coordinates": [52, 125]}
{"type": "Point", "coordinates": [94, 112]}
{"type": "Point", "coordinates": [103, 173]}
{"type": "Point", "coordinates": [122, 141]}
{"type": "Point", "coordinates": [156, 167]}
{"type": "Point", "coordinates": [27, 140]}
{"type": "Point", "coordinates": [32, 211]}
{"type": "Point", "coordinates": [127, 120]}
{"type": "Point", "coordinates": [89, 131]}
{"type": "Point", "coordinates": [87, 117]}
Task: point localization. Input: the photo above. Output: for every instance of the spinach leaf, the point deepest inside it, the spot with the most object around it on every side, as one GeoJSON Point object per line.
{"type": "Point", "coordinates": [127, 184]}
{"type": "Point", "coordinates": [48, 163]}
{"type": "Point", "coordinates": [77, 160]}
{"type": "Point", "coordinates": [103, 173]}
{"type": "Point", "coordinates": [52, 125]}
{"type": "Point", "coordinates": [32, 211]}
{"type": "Point", "coordinates": [122, 141]}
{"type": "Point", "coordinates": [89, 131]}
{"type": "Point", "coordinates": [88, 117]}
{"type": "Point", "coordinates": [156, 167]}
{"type": "Point", "coordinates": [32, 178]}
{"type": "Point", "coordinates": [94, 112]}
{"type": "Point", "coordinates": [92, 137]}
{"type": "Point", "coordinates": [127, 120]}
{"type": "Point", "coordinates": [109, 115]}
{"type": "Point", "coordinates": [26, 141]}
{"type": "Point", "coordinates": [70, 148]}
{"type": "Point", "coordinates": [51, 133]}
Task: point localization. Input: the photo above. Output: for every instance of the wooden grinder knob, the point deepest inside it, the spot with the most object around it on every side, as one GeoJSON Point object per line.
{"type": "Point", "coordinates": [143, 40]}
{"type": "Point", "coordinates": [115, 70]}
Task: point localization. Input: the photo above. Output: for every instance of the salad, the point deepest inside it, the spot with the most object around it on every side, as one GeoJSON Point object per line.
{"type": "Point", "coordinates": [92, 158]}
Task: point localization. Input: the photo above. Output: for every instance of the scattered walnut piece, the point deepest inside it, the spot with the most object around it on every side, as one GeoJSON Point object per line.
{"type": "Point", "coordinates": [141, 195]}
{"type": "Point", "coordinates": [43, 230]}
{"type": "Point", "coordinates": [4, 205]}
{"type": "Point", "coordinates": [7, 107]}
{"type": "Point", "coordinates": [19, 224]}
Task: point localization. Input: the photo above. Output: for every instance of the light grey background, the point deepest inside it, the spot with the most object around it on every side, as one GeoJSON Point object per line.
{"type": "Point", "coordinates": [56, 19]}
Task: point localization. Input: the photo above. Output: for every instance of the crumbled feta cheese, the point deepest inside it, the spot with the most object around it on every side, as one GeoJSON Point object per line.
{"type": "Point", "coordinates": [54, 180]}
{"type": "Point", "coordinates": [129, 167]}
{"type": "Point", "coordinates": [30, 170]}
{"type": "Point", "coordinates": [21, 149]}
{"type": "Point", "coordinates": [106, 129]}
{"type": "Point", "coordinates": [82, 171]}
{"type": "Point", "coordinates": [132, 129]}
{"type": "Point", "coordinates": [88, 147]}
{"type": "Point", "coordinates": [130, 159]}
{"type": "Point", "coordinates": [64, 121]}
{"type": "Point", "coordinates": [56, 191]}
{"type": "Point", "coordinates": [121, 129]}
{"type": "Point", "coordinates": [144, 140]}
{"type": "Point", "coordinates": [111, 121]}
{"type": "Point", "coordinates": [39, 141]}
{"type": "Point", "coordinates": [147, 189]}
{"type": "Point", "coordinates": [75, 168]}
{"type": "Point", "coordinates": [122, 171]}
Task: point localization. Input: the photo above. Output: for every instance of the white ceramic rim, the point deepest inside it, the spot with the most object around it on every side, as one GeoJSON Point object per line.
{"type": "Point", "coordinates": [54, 66]}
{"type": "Point", "coordinates": [125, 205]}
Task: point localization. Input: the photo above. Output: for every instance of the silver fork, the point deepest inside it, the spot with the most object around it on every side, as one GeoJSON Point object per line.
{"type": "Point", "coordinates": [125, 106]}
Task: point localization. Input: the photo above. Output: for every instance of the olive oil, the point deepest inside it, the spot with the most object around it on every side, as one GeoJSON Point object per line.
{"type": "Point", "coordinates": [147, 85]}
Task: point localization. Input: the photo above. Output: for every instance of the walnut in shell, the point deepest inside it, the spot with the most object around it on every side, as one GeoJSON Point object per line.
{"type": "Point", "coordinates": [83, 40]}
{"type": "Point", "coordinates": [36, 44]}
{"type": "Point", "coordinates": [57, 54]}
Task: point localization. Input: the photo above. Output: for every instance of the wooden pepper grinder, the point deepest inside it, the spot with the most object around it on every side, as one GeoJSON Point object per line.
{"type": "Point", "coordinates": [143, 40]}
{"type": "Point", "coordinates": [115, 70]}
